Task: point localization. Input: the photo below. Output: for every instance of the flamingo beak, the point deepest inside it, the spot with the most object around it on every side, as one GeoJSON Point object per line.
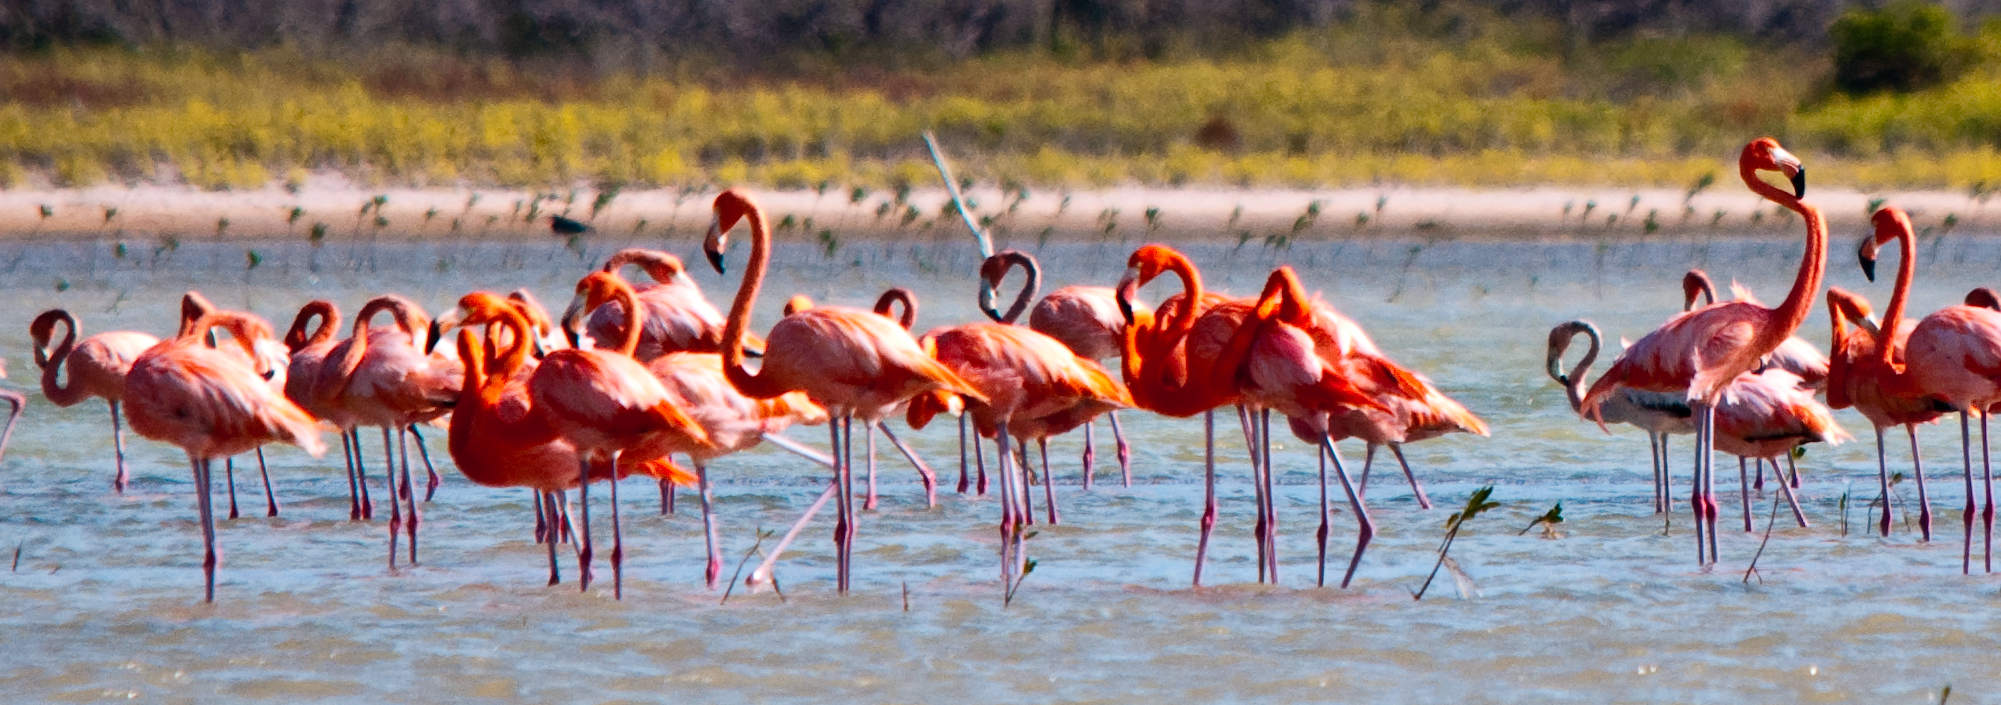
{"type": "Point", "coordinates": [987, 299]}
{"type": "Point", "coordinates": [570, 313]}
{"type": "Point", "coordinates": [1794, 170]}
{"type": "Point", "coordinates": [1127, 288]}
{"type": "Point", "coordinates": [712, 246]}
{"type": "Point", "coordinates": [441, 324]}
{"type": "Point", "coordinates": [1866, 258]}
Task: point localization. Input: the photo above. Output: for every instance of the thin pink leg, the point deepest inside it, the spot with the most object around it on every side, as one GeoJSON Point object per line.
{"type": "Point", "coordinates": [1125, 450]}
{"type": "Point", "coordinates": [270, 498]}
{"type": "Point", "coordinates": [666, 497]}
{"type": "Point", "coordinates": [416, 515]}
{"type": "Point", "coordinates": [122, 479]}
{"type": "Point", "coordinates": [1257, 486]}
{"type": "Point", "coordinates": [541, 518]}
{"type": "Point", "coordinates": [353, 487]}
{"type": "Point", "coordinates": [1208, 522]}
{"type": "Point", "coordinates": [1365, 527]}
{"type": "Point", "coordinates": [1326, 519]}
{"type": "Point", "coordinates": [389, 482]}
{"type": "Point", "coordinates": [1883, 476]}
{"type": "Point", "coordinates": [584, 549]}
{"type": "Point", "coordinates": [1924, 501]}
{"type": "Point", "coordinates": [361, 474]}
{"type": "Point", "coordinates": [545, 504]}
{"type": "Point", "coordinates": [965, 480]}
{"type": "Point", "coordinates": [1966, 452]}
{"type": "Point", "coordinates": [1090, 452]}
{"type": "Point", "coordinates": [1048, 483]}
{"type": "Point", "coordinates": [924, 473]}
{"type": "Point", "coordinates": [1744, 488]}
{"type": "Point", "coordinates": [229, 478]}
{"type": "Point", "coordinates": [617, 534]}
{"type": "Point", "coordinates": [1417, 488]}
{"type": "Point", "coordinates": [868, 439]}
{"type": "Point", "coordinates": [210, 556]}
{"type": "Point", "coordinates": [1786, 488]}
{"type": "Point", "coordinates": [1987, 508]}
{"type": "Point", "coordinates": [1270, 493]}
{"type": "Point", "coordinates": [714, 571]}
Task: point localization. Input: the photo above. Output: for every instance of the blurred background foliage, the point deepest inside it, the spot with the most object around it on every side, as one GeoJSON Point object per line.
{"type": "Point", "coordinates": [803, 94]}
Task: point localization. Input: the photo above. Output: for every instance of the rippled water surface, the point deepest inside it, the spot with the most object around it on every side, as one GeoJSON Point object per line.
{"type": "Point", "coordinates": [104, 603]}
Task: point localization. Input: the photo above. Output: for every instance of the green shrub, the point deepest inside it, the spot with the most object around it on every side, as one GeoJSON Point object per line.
{"type": "Point", "coordinates": [1903, 47]}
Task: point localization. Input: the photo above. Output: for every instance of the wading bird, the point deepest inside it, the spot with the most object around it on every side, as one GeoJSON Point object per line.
{"type": "Point", "coordinates": [96, 368]}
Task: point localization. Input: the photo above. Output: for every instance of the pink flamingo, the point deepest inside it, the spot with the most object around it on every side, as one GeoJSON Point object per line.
{"type": "Point", "coordinates": [848, 361]}
{"type": "Point", "coordinates": [310, 345]}
{"type": "Point", "coordinates": [1795, 355]}
{"type": "Point", "coordinates": [1085, 319]}
{"type": "Point", "coordinates": [97, 368]}
{"type": "Point", "coordinates": [212, 403]}
{"type": "Point", "coordinates": [1702, 351]}
{"type": "Point", "coordinates": [265, 354]}
{"type": "Point", "coordinates": [1764, 415]}
{"type": "Point", "coordinates": [903, 302]}
{"type": "Point", "coordinates": [1657, 413]}
{"type": "Point", "coordinates": [381, 377]}
{"type": "Point", "coordinates": [605, 403]}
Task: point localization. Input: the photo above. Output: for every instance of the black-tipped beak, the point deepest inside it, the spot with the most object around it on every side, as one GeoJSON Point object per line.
{"type": "Point", "coordinates": [1125, 306]}
{"type": "Point", "coordinates": [1868, 265]}
{"type": "Point", "coordinates": [716, 260]}
{"type": "Point", "coordinates": [1799, 183]}
{"type": "Point", "coordinates": [431, 340]}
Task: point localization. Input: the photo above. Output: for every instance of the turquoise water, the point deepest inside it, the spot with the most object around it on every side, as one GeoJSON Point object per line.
{"type": "Point", "coordinates": [105, 601]}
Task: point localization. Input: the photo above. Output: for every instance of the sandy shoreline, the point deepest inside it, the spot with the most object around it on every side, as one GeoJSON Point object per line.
{"type": "Point", "coordinates": [1547, 211]}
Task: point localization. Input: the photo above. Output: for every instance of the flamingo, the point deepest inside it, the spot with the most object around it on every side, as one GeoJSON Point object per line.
{"type": "Point", "coordinates": [675, 316]}
{"type": "Point", "coordinates": [380, 377]}
{"type": "Point", "coordinates": [1951, 357]}
{"type": "Point", "coordinates": [1025, 375]}
{"type": "Point", "coordinates": [1657, 413]}
{"type": "Point", "coordinates": [851, 362]}
{"type": "Point", "coordinates": [1763, 415]}
{"type": "Point", "coordinates": [904, 302]}
{"type": "Point", "coordinates": [97, 368]}
{"type": "Point", "coordinates": [605, 403]}
{"type": "Point", "coordinates": [212, 403]}
{"type": "Point", "coordinates": [1866, 362]}
{"type": "Point", "coordinates": [498, 438]}
{"type": "Point", "coordinates": [1702, 351]}
{"type": "Point", "coordinates": [264, 354]}
{"type": "Point", "coordinates": [1085, 319]}
{"type": "Point", "coordinates": [309, 353]}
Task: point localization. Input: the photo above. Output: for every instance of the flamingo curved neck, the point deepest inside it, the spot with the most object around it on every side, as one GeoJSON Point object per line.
{"type": "Point", "coordinates": [1573, 388]}
{"type": "Point", "coordinates": [1029, 287]}
{"type": "Point", "coordinates": [52, 386]}
{"type": "Point", "coordinates": [1787, 317]}
{"type": "Point", "coordinates": [1907, 250]}
{"type": "Point", "coordinates": [754, 385]}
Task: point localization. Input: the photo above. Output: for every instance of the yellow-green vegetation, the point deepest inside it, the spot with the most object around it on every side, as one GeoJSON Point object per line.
{"type": "Point", "coordinates": [1391, 96]}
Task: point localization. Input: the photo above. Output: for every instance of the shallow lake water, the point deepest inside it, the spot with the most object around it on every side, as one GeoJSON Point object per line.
{"type": "Point", "coordinates": [104, 602]}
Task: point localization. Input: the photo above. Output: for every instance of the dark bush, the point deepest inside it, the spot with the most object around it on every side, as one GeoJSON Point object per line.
{"type": "Point", "coordinates": [1905, 46]}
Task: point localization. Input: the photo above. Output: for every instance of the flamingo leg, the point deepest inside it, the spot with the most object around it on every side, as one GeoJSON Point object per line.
{"type": "Point", "coordinates": [210, 557]}
{"type": "Point", "coordinates": [1007, 523]}
{"type": "Point", "coordinates": [868, 450]}
{"type": "Point", "coordinates": [1366, 528]}
{"type": "Point", "coordinates": [714, 570]}
{"type": "Point", "coordinates": [763, 572]}
{"type": "Point", "coordinates": [1759, 484]}
{"type": "Point", "coordinates": [270, 499]}
{"type": "Point", "coordinates": [1924, 501]}
{"type": "Point", "coordinates": [1710, 508]}
{"type": "Point", "coordinates": [415, 515]}
{"type": "Point", "coordinates": [1695, 484]}
{"type": "Point", "coordinates": [1883, 478]}
{"type": "Point", "coordinates": [924, 473]}
{"type": "Point", "coordinates": [617, 534]}
{"type": "Point", "coordinates": [1654, 457]}
{"type": "Point", "coordinates": [666, 497]}
{"type": "Point", "coordinates": [432, 478]}
{"type": "Point", "coordinates": [1368, 461]}
{"type": "Point", "coordinates": [1987, 508]}
{"type": "Point", "coordinates": [843, 505]}
{"type": "Point", "coordinates": [980, 466]}
{"type": "Point", "coordinates": [964, 479]}
{"type": "Point", "coordinates": [1257, 484]}
{"type": "Point", "coordinates": [1270, 493]}
{"type": "Point", "coordinates": [541, 518]}
{"type": "Point", "coordinates": [1090, 452]}
{"type": "Point", "coordinates": [1744, 488]}
{"type": "Point", "coordinates": [1018, 463]}
{"type": "Point", "coordinates": [361, 474]}
{"type": "Point", "coordinates": [229, 478]}
{"type": "Point", "coordinates": [1326, 518]}
{"type": "Point", "coordinates": [545, 513]}
{"type": "Point", "coordinates": [119, 481]}
{"type": "Point", "coordinates": [389, 481]}
{"type": "Point", "coordinates": [1664, 486]}
{"type": "Point", "coordinates": [1048, 483]}
{"type": "Point", "coordinates": [1125, 450]}
{"type": "Point", "coordinates": [1966, 453]}
{"type": "Point", "coordinates": [1208, 522]}
{"type": "Point", "coordinates": [584, 508]}
{"type": "Point", "coordinates": [353, 490]}
{"type": "Point", "coordinates": [1423, 502]}
{"type": "Point", "coordinates": [1786, 488]}
{"type": "Point", "coordinates": [564, 532]}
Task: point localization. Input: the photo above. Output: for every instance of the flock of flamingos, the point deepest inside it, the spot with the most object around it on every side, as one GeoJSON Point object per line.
{"type": "Point", "coordinates": [628, 378]}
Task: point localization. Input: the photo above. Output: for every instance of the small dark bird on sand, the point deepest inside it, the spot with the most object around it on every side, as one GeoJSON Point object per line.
{"type": "Point", "coordinates": [565, 226]}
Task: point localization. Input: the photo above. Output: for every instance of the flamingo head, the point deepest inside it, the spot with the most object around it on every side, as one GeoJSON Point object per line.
{"type": "Point", "coordinates": [193, 307]}
{"type": "Point", "coordinates": [1982, 297]}
{"type": "Point", "coordinates": [1851, 308]}
{"type": "Point", "coordinates": [476, 308]}
{"type": "Point", "coordinates": [593, 291]}
{"type": "Point", "coordinates": [731, 206]}
{"type": "Point", "coordinates": [301, 333]}
{"type": "Point", "coordinates": [1559, 343]}
{"type": "Point", "coordinates": [798, 302]}
{"type": "Point", "coordinates": [1765, 154]}
{"type": "Point", "coordinates": [1695, 284]}
{"type": "Point", "coordinates": [1145, 263]}
{"type": "Point", "coordinates": [43, 328]}
{"type": "Point", "coordinates": [1889, 223]}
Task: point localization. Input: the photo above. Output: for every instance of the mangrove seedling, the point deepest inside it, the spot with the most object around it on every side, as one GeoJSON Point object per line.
{"type": "Point", "coordinates": [1475, 504]}
{"type": "Point", "coordinates": [1547, 521]}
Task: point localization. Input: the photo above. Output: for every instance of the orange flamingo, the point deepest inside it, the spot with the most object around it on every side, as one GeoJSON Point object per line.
{"type": "Point", "coordinates": [381, 377]}
{"type": "Point", "coordinates": [1657, 413]}
{"type": "Point", "coordinates": [604, 403]}
{"type": "Point", "coordinates": [853, 363]}
{"type": "Point", "coordinates": [1869, 359]}
{"type": "Point", "coordinates": [498, 438]}
{"type": "Point", "coordinates": [1702, 351]}
{"type": "Point", "coordinates": [1764, 415]}
{"type": "Point", "coordinates": [212, 403]}
{"type": "Point", "coordinates": [265, 354]}
{"type": "Point", "coordinates": [97, 368]}
{"type": "Point", "coordinates": [675, 316]}
{"type": "Point", "coordinates": [1026, 375]}
{"type": "Point", "coordinates": [1085, 319]}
